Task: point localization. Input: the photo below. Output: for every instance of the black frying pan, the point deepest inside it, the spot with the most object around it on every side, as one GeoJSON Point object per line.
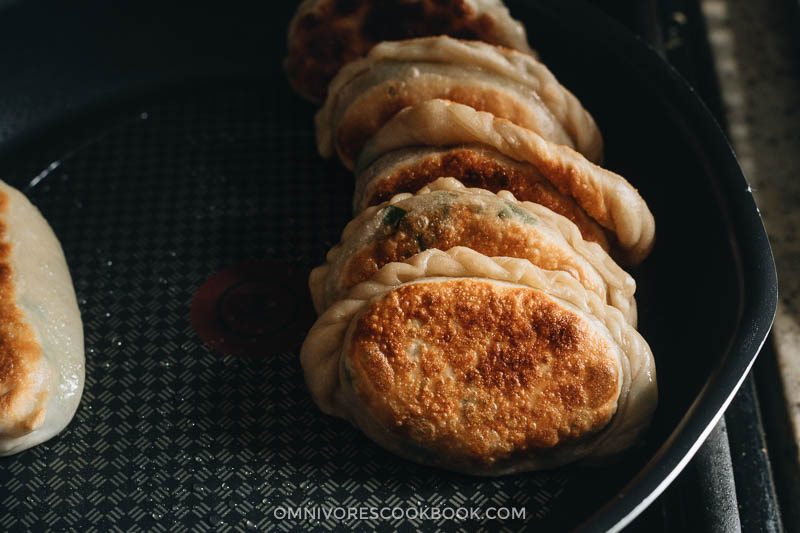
{"type": "Point", "coordinates": [164, 146]}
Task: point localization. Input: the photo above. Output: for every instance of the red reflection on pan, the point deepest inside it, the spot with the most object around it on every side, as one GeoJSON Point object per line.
{"type": "Point", "coordinates": [254, 309]}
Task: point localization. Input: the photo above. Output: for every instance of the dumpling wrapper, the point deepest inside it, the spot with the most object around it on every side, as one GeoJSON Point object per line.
{"type": "Point", "coordinates": [486, 366]}
{"type": "Point", "coordinates": [410, 169]}
{"type": "Point", "coordinates": [325, 35]}
{"type": "Point", "coordinates": [41, 334]}
{"type": "Point", "coordinates": [394, 75]}
{"type": "Point", "coordinates": [607, 197]}
{"type": "Point", "coordinates": [445, 214]}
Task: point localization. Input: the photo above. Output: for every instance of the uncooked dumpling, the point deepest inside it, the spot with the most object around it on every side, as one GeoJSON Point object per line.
{"type": "Point", "coordinates": [446, 214]}
{"type": "Point", "coordinates": [369, 91]}
{"type": "Point", "coordinates": [325, 35]}
{"type": "Point", "coordinates": [410, 169]}
{"type": "Point", "coordinates": [487, 366]}
{"type": "Point", "coordinates": [604, 195]}
{"type": "Point", "coordinates": [41, 335]}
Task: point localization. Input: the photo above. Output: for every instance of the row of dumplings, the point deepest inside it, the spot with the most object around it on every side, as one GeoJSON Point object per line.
{"type": "Point", "coordinates": [474, 316]}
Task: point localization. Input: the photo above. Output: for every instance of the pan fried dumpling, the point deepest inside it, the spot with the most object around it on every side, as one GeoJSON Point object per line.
{"type": "Point", "coordinates": [369, 91]}
{"type": "Point", "coordinates": [486, 366]}
{"type": "Point", "coordinates": [446, 214]}
{"type": "Point", "coordinates": [325, 35]}
{"type": "Point", "coordinates": [410, 169]}
{"type": "Point", "coordinates": [41, 335]}
{"type": "Point", "coordinates": [605, 196]}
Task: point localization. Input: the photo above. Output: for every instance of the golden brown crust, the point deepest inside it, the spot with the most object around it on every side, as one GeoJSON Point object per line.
{"type": "Point", "coordinates": [336, 32]}
{"type": "Point", "coordinates": [607, 197]}
{"type": "Point", "coordinates": [490, 233]}
{"type": "Point", "coordinates": [475, 169]}
{"type": "Point", "coordinates": [378, 105]}
{"type": "Point", "coordinates": [479, 372]}
{"type": "Point", "coordinates": [20, 352]}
